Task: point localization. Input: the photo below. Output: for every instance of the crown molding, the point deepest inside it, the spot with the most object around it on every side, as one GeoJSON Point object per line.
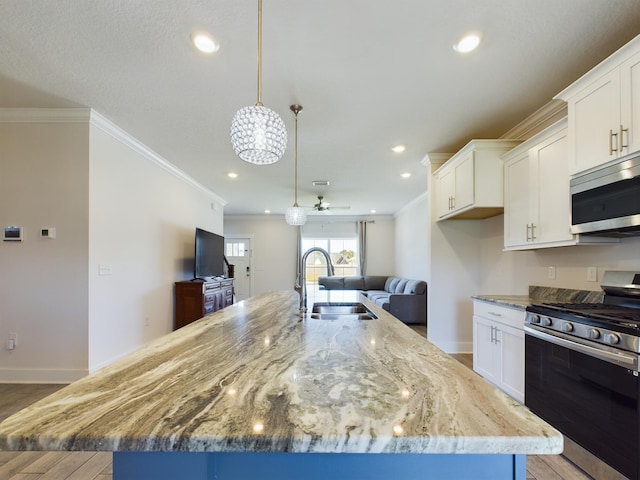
{"type": "Point", "coordinates": [134, 144]}
{"type": "Point", "coordinates": [90, 116]}
{"type": "Point", "coordinates": [545, 116]}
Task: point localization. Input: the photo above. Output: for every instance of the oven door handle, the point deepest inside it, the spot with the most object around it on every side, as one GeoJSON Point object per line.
{"type": "Point", "coordinates": [626, 360]}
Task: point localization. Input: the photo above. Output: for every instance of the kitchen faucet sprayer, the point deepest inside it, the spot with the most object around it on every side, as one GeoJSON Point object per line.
{"type": "Point", "coordinates": [303, 265]}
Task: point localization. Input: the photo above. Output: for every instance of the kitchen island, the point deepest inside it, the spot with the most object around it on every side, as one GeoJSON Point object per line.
{"type": "Point", "coordinates": [252, 391]}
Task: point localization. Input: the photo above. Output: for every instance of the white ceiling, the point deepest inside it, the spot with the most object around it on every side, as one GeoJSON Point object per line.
{"type": "Point", "coordinates": [369, 74]}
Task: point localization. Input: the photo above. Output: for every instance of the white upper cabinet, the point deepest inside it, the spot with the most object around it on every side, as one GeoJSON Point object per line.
{"type": "Point", "coordinates": [469, 184]}
{"type": "Point", "coordinates": [604, 110]}
{"type": "Point", "coordinates": [537, 205]}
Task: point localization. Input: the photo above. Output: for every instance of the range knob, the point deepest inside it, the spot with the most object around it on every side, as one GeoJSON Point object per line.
{"type": "Point", "coordinates": [594, 333]}
{"type": "Point", "coordinates": [535, 318]}
{"type": "Point", "coordinates": [545, 322]}
{"type": "Point", "coordinates": [567, 327]}
{"type": "Point", "coordinates": [612, 338]}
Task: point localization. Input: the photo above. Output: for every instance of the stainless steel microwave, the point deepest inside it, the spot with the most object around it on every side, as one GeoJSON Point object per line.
{"type": "Point", "coordinates": [606, 201]}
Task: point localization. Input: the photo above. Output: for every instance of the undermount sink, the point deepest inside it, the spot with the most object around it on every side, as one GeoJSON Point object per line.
{"type": "Point", "coordinates": [338, 311]}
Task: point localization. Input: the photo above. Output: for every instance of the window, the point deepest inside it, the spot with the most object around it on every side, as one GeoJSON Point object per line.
{"type": "Point", "coordinates": [343, 253]}
{"type": "Point", "coordinates": [235, 249]}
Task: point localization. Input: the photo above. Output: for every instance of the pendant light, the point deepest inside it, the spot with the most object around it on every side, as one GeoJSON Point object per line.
{"type": "Point", "coordinates": [258, 134]}
{"type": "Point", "coordinates": [296, 215]}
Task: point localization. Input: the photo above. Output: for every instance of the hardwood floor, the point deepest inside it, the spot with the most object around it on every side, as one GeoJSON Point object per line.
{"type": "Point", "coordinates": [46, 465]}
{"type": "Point", "coordinates": [98, 466]}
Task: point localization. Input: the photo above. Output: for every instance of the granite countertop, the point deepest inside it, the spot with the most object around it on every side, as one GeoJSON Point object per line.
{"type": "Point", "coordinates": [254, 377]}
{"type": "Point", "coordinates": [538, 294]}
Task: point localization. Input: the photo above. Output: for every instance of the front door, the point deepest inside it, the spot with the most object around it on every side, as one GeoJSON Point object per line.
{"type": "Point", "coordinates": [238, 254]}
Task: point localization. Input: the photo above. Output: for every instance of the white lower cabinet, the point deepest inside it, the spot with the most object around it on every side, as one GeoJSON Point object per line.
{"type": "Point", "coordinates": [498, 346]}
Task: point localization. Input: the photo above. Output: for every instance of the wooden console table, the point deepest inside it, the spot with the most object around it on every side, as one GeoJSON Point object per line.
{"type": "Point", "coordinates": [197, 298]}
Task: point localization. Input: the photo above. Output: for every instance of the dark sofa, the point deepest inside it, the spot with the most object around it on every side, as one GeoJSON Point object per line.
{"type": "Point", "coordinates": [403, 298]}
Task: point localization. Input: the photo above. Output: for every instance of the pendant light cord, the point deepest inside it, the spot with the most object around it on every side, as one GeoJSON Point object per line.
{"type": "Point", "coordinates": [259, 103]}
{"type": "Point", "coordinates": [295, 183]}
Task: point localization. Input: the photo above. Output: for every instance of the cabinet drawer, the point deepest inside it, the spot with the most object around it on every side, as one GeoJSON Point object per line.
{"type": "Point", "coordinates": [499, 313]}
{"type": "Point", "coordinates": [209, 296]}
{"type": "Point", "coordinates": [209, 308]}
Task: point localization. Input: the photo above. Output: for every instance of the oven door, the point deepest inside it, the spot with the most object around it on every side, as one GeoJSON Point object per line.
{"type": "Point", "coordinates": [590, 400]}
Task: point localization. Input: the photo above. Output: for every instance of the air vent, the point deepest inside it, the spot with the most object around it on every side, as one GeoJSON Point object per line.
{"type": "Point", "coordinates": [320, 183]}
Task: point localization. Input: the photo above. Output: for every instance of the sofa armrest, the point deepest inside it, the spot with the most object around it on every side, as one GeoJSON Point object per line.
{"type": "Point", "coordinates": [408, 308]}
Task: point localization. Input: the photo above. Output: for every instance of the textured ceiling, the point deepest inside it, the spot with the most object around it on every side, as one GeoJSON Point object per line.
{"type": "Point", "coordinates": [369, 74]}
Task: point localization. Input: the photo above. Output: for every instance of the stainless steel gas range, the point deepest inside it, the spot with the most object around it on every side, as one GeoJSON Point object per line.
{"type": "Point", "coordinates": [581, 371]}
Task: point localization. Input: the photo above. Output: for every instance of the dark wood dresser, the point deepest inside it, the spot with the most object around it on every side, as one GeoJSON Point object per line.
{"type": "Point", "coordinates": [197, 298]}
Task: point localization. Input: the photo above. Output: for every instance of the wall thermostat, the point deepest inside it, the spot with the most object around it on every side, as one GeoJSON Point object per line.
{"type": "Point", "coordinates": [12, 234]}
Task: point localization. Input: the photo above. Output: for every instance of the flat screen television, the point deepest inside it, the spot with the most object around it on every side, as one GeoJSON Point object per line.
{"type": "Point", "coordinates": [209, 260]}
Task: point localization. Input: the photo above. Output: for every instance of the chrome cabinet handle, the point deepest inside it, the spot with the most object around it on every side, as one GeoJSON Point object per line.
{"type": "Point", "coordinates": [529, 236]}
{"type": "Point", "coordinates": [533, 232]}
{"type": "Point", "coordinates": [611, 135]}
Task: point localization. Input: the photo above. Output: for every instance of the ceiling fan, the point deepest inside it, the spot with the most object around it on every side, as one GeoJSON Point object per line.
{"type": "Point", "coordinates": [325, 207]}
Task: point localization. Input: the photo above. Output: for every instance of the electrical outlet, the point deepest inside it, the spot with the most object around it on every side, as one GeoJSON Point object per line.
{"type": "Point", "coordinates": [592, 274]}
{"type": "Point", "coordinates": [12, 341]}
{"type": "Point", "coordinates": [551, 273]}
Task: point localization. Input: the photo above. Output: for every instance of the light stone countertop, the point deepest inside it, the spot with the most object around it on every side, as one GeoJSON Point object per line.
{"type": "Point", "coordinates": [253, 377]}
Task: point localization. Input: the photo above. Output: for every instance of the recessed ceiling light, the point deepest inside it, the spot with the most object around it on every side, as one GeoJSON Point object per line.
{"type": "Point", "coordinates": [232, 175]}
{"type": "Point", "coordinates": [467, 43]}
{"type": "Point", "coordinates": [205, 42]}
{"type": "Point", "coordinates": [405, 175]}
{"type": "Point", "coordinates": [399, 148]}
{"type": "Point", "coordinates": [372, 211]}
{"type": "Point", "coordinates": [267, 212]}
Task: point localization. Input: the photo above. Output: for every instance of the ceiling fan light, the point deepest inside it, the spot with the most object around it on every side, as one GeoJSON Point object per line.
{"type": "Point", "coordinates": [295, 216]}
{"type": "Point", "coordinates": [258, 135]}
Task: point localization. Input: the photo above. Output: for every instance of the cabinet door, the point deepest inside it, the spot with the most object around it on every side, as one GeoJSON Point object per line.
{"type": "Point", "coordinates": [516, 201]}
{"type": "Point", "coordinates": [464, 182]}
{"type": "Point", "coordinates": [510, 345]}
{"type": "Point", "coordinates": [594, 113]}
{"type": "Point", "coordinates": [630, 104]}
{"type": "Point", "coordinates": [446, 186]}
{"type": "Point", "coordinates": [484, 349]}
{"type": "Point", "coordinates": [553, 203]}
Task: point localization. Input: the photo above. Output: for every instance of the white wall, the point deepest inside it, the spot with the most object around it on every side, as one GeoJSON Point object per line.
{"type": "Point", "coordinates": [43, 282]}
{"type": "Point", "coordinates": [143, 218]}
{"type": "Point", "coordinates": [274, 247]}
{"type": "Point", "coordinates": [112, 202]}
{"type": "Point", "coordinates": [513, 272]}
{"type": "Point", "coordinates": [273, 250]}
{"type": "Point", "coordinates": [411, 234]}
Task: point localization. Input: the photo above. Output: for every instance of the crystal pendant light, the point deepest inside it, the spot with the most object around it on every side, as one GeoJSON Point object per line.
{"type": "Point", "coordinates": [296, 215]}
{"type": "Point", "coordinates": [258, 134]}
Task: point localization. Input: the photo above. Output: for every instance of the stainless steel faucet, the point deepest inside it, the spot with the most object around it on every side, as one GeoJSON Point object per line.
{"type": "Point", "coordinates": [303, 264]}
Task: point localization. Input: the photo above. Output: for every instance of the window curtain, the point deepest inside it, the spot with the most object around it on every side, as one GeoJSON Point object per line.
{"type": "Point", "coordinates": [362, 247]}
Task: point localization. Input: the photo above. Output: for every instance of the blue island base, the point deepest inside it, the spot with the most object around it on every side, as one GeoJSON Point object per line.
{"type": "Point", "coordinates": [315, 466]}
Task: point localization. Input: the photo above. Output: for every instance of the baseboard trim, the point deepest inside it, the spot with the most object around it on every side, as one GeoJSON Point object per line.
{"type": "Point", "coordinates": [40, 375]}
